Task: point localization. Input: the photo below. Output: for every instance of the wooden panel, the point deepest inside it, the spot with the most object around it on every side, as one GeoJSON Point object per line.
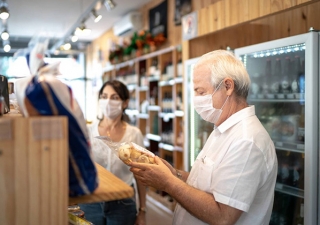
{"type": "Point", "coordinates": [199, 4]}
{"type": "Point", "coordinates": [21, 156]}
{"type": "Point", "coordinates": [264, 7]}
{"type": "Point", "coordinates": [217, 16]}
{"type": "Point", "coordinates": [110, 188]}
{"type": "Point", "coordinates": [254, 9]}
{"type": "Point", "coordinates": [203, 24]}
{"type": "Point", "coordinates": [35, 161]}
{"type": "Point", "coordinates": [7, 183]}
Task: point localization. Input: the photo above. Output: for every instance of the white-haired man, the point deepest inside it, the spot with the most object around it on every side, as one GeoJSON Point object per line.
{"type": "Point", "coordinates": [233, 178]}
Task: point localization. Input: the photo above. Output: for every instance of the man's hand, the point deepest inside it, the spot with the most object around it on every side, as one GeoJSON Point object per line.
{"type": "Point", "coordinates": [156, 175]}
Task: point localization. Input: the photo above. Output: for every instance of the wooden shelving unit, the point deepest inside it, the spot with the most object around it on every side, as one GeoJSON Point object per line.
{"type": "Point", "coordinates": [157, 101]}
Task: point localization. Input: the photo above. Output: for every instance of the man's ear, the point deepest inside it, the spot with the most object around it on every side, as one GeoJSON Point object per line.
{"type": "Point", "coordinates": [229, 84]}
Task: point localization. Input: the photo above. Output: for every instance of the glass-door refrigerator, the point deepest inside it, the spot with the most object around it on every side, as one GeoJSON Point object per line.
{"type": "Point", "coordinates": [285, 91]}
{"type": "Point", "coordinates": [196, 129]}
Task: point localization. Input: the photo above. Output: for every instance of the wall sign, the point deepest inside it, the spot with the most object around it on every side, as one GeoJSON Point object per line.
{"type": "Point", "coordinates": [158, 19]}
{"type": "Point", "coordinates": [182, 8]}
{"type": "Point", "coordinates": [189, 26]}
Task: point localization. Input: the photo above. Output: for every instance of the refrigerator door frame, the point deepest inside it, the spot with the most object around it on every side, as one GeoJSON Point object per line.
{"type": "Point", "coordinates": [311, 40]}
{"type": "Point", "coordinates": [188, 86]}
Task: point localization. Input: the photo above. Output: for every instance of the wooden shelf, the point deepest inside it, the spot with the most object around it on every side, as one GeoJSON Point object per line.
{"type": "Point", "coordinates": [110, 188]}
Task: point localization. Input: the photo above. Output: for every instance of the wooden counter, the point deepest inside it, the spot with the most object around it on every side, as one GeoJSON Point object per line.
{"type": "Point", "coordinates": [110, 188]}
{"type": "Point", "coordinates": [34, 172]}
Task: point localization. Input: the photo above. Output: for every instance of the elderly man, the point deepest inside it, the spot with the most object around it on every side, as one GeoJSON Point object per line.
{"type": "Point", "coordinates": [233, 178]}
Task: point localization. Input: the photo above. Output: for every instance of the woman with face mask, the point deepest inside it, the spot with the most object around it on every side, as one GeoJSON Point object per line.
{"type": "Point", "coordinates": [113, 100]}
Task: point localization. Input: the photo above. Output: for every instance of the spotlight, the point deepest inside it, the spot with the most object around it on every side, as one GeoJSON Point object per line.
{"type": "Point", "coordinates": [96, 16]}
{"type": "Point", "coordinates": [4, 12]}
{"type": "Point", "coordinates": [6, 46]}
{"type": "Point", "coordinates": [109, 4]}
{"type": "Point", "coordinates": [5, 35]}
{"type": "Point", "coordinates": [66, 46]}
{"type": "Point", "coordinates": [74, 38]}
{"type": "Point", "coordinates": [82, 30]}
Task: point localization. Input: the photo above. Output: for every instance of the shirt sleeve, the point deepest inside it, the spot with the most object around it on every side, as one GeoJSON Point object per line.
{"type": "Point", "coordinates": [236, 180]}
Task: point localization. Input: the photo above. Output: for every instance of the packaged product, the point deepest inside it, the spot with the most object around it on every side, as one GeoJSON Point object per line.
{"type": "Point", "coordinates": [44, 94]}
{"type": "Point", "coordinates": [129, 151]}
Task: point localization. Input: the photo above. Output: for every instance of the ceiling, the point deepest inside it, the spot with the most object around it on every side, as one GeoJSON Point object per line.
{"type": "Point", "coordinates": [58, 19]}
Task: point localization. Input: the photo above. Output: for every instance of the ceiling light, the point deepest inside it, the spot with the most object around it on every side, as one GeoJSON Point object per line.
{"type": "Point", "coordinates": [4, 12]}
{"type": "Point", "coordinates": [74, 38]}
{"type": "Point", "coordinates": [109, 4]}
{"type": "Point", "coordinates": [5, 35]}
{"type": "Point", "coordinates": [6, 46]}
{"type": "Point", "coordinates": [97, 17]}
{"type": "Point", "coordinates": [67, 46]}
{"type": "Point", "coordinates": [82, 30]}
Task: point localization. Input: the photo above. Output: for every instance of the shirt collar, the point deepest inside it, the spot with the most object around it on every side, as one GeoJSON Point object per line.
{"type": "Point", "coordinates": [236, 118]}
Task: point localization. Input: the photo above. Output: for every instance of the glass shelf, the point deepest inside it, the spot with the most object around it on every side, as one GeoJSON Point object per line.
{"type": "Point", "coordinates": [289, 190]}
{"type": "Point", "coordinates": [286, 146]}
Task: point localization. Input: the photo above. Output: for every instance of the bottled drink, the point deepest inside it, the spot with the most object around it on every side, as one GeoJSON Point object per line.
{"type": "Point", "coordinates": [275, 82]}
{"type": "Point", "coordinates": [285, 83]}
{"type": "Point", "coordinates": [300, 219]}
{"type": "Point", "coordinates": [301, 124]}
{"type": "Point", "coordinates": [295, 75]}
{"type": "Point", "coordinates": [266, 80]}
{"type": "Point", "coordinates": [302, 82]}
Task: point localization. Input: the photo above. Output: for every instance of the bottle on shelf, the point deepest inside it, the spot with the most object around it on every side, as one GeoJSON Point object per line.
{"type": "Point", "coordinates": [295, 76]}
{"type": "Point", "coordinates": [285, 82]}
{"type": "Point", "coordinates": [301, 125]}
{"type": "Point", "coordinates": [300, 219]}
{"type": "Point", "coordinates": [265, 88]}
{"type": "Point", "coordinates": [302, 82]}
{"type": "Point", "coordinates": [255, 88]}
{"type": "Point", "coordinates": [275, 81]}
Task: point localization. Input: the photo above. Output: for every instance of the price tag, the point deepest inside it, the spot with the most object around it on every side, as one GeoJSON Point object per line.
{"type": "Point", "coordinates": [5, 130]}
{"type": "Point", "coordinates": [47, 129]}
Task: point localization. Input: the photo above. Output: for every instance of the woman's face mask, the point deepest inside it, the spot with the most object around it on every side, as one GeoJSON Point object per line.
{"type": "Point", "coordinates": [110, 108]}
{"type": "Point", "coordinates": [204, 107]}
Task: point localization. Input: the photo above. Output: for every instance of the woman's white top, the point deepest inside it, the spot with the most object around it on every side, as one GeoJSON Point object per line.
{"type": "Point", "coordinates": [107, 158]}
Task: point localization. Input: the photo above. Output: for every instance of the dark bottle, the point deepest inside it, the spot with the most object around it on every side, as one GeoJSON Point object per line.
{"type": "Point", "coordinates": [301, 124]}
{"type": "Point", "coordinates": [302, 82]}
{"type": "Point", "coordinates": [265, 87]}
{"type": "Point", "coordinates": [285, 82]}
{"type": "Point", "coordinates": [275, 81]}
{"type": "Point", "coordinates": [295, 75]}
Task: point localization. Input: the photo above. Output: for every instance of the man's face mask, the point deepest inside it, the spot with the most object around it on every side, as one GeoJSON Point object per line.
{"type": "Point", "coordinates": [204, 107]}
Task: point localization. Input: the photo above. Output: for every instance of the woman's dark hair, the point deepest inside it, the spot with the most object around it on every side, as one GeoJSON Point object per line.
{"type": "Point", "coordinates": [121, 90]}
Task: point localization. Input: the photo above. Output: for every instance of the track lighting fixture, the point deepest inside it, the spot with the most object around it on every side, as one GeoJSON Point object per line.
{"type": "Point", "coordinates": [4, 11]}
{"type": "Point", "coordinates": [5, 34]}
{"type": "Point", "coordinates": [82, 30]}
{"type": "Point", "coordinates": [109, 4]}
{"type": "Point", "coordinates": [97, 17]}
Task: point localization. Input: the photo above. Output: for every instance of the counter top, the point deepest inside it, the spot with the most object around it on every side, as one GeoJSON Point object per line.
{"type": "Point", "coordinates": [110, 188]}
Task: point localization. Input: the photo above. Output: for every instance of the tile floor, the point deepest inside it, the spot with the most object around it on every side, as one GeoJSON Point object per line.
{"type": "Point", "coordinates": [157, 214]}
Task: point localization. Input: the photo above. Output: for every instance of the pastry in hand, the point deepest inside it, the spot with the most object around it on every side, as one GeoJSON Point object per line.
{"type": "Point", "coordinates": [135, 154]}
{"type": "Point", "coordinates": [143, 159]}
{"type": "Point", "coordinates": [125, 152]}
